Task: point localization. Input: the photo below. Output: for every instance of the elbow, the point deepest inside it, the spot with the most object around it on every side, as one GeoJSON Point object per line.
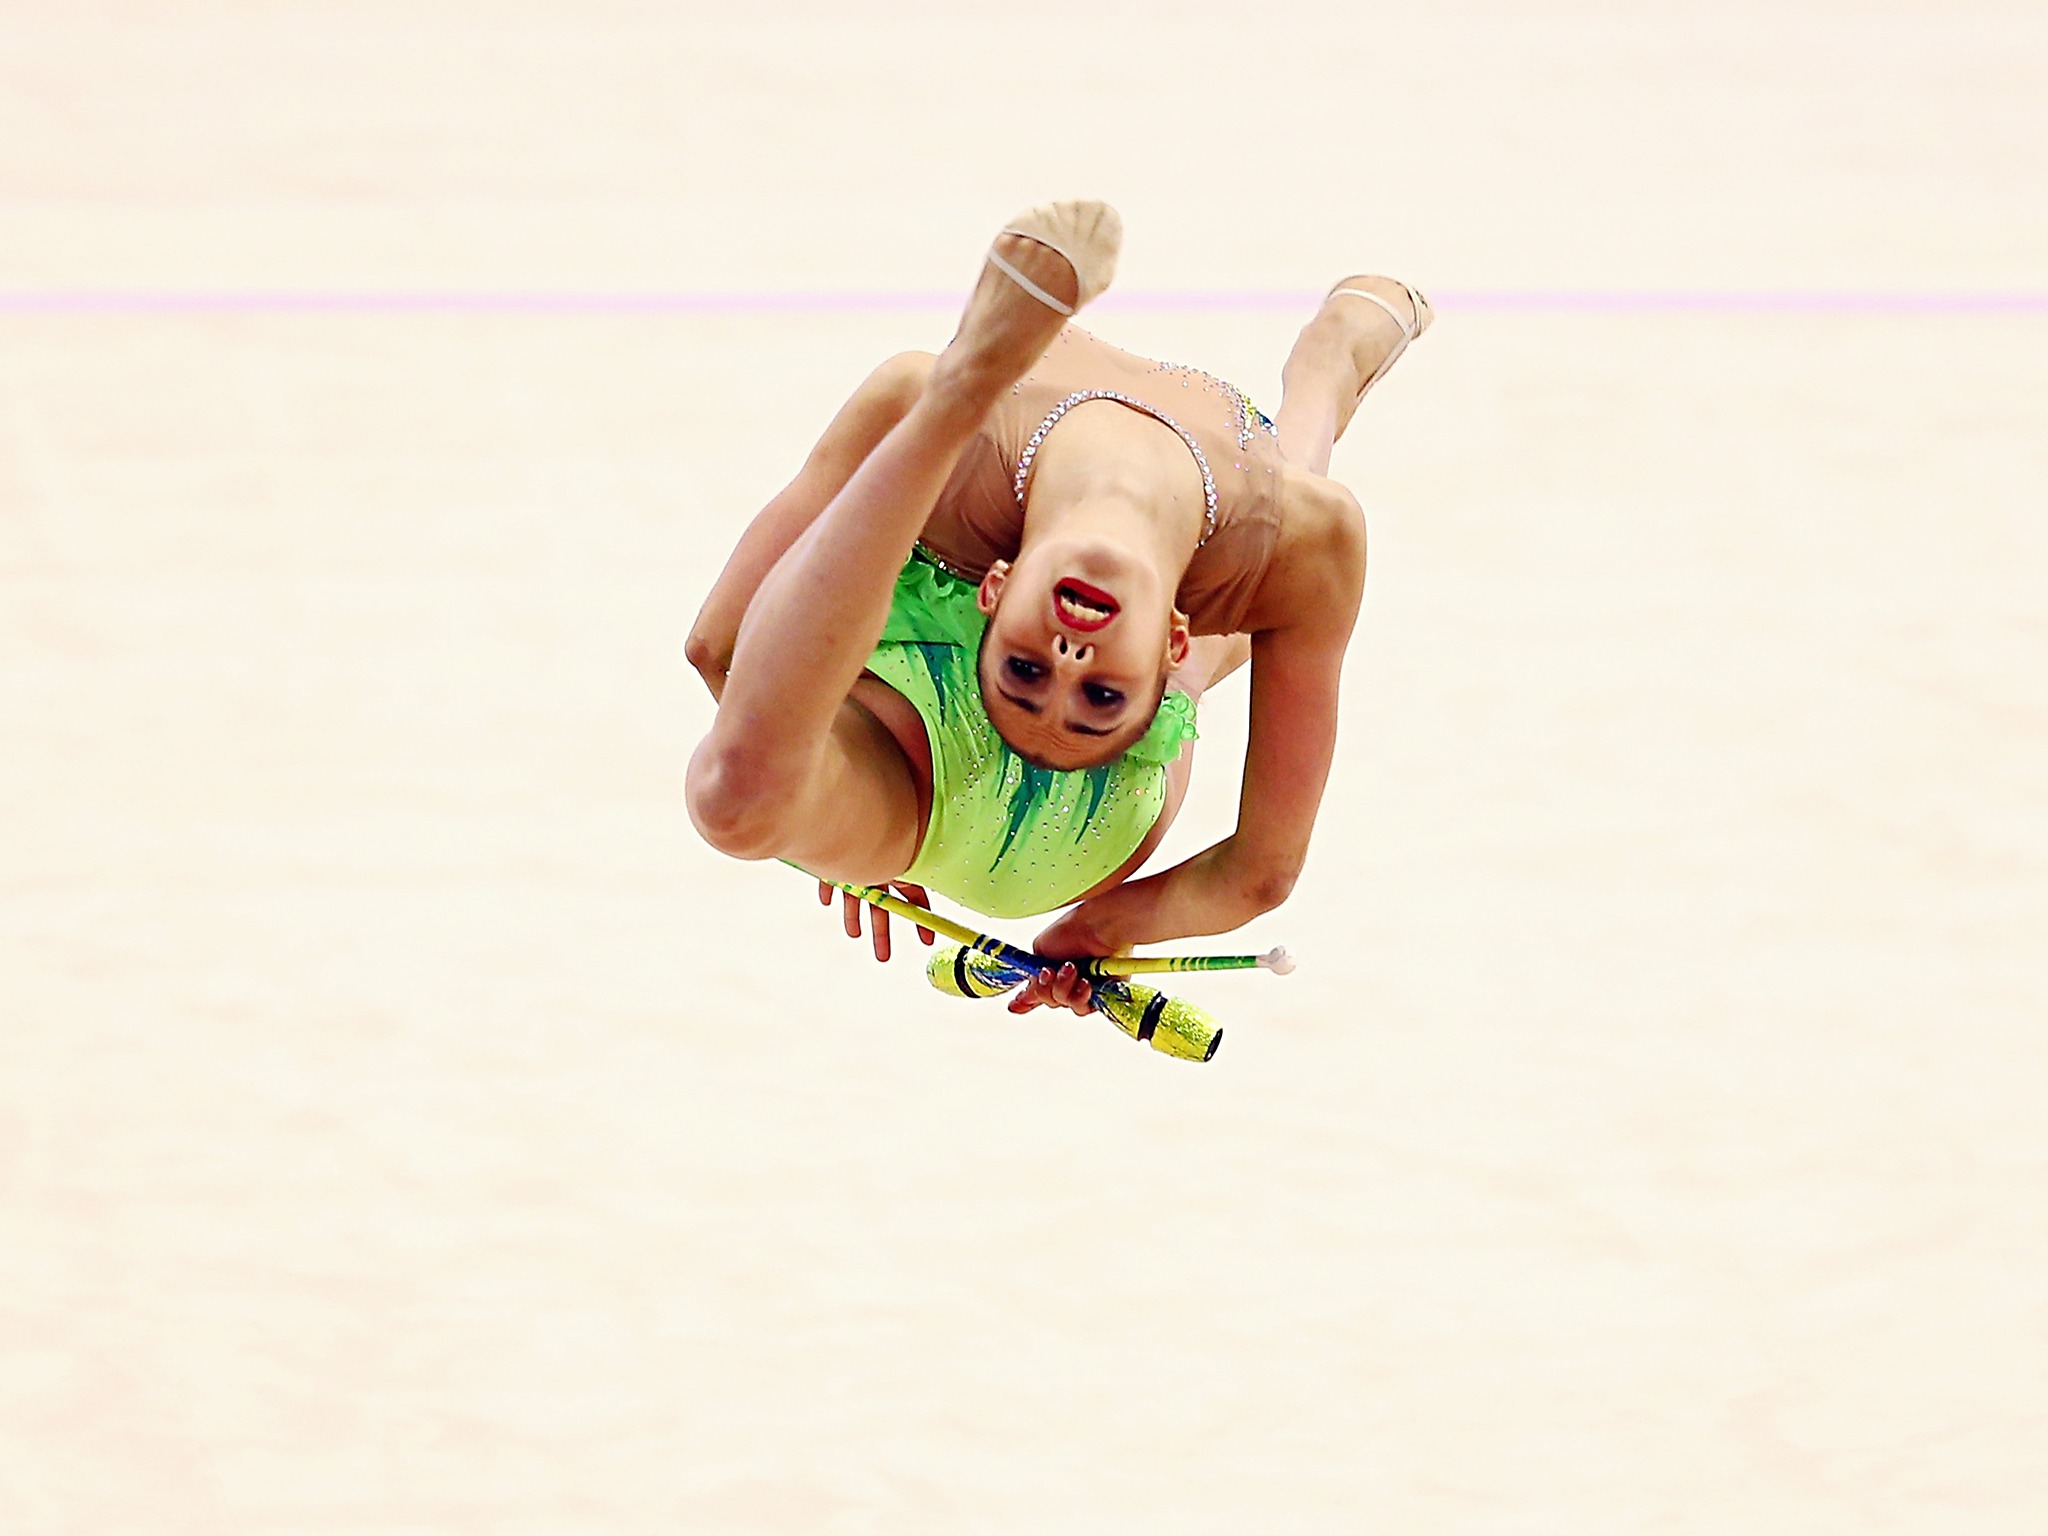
{"type": "Point", "coordinates": [900, 380]}
{"type": "Point", "coordinates": [1271, 890]}
{"type": "Point", "coordinates": [1263, 889]}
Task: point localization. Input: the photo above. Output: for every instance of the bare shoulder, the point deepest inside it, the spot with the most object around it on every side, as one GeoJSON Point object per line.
{"type": "Point", "coordinates": [1318, 564]}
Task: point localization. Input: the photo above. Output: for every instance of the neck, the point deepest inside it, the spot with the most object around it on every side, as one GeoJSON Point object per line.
{"type": "Point", "coordinates": [1146, 529]}
{"type": "Point", "coordinates": [1112, 474]}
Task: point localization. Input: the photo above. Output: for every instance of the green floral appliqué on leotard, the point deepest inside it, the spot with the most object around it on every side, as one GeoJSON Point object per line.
{"type": "Point", "coordinates": [1007, 838]}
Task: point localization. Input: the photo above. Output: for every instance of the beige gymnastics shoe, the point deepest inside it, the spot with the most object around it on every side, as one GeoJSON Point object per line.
{"type": "Point", "coordinates": [1412, 324]}
{"type": "Point", "coordinates": [1087, 234]}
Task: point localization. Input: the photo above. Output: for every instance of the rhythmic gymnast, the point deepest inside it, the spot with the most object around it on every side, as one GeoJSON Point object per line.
{"type": "Point", "coordinates": [963, 649]}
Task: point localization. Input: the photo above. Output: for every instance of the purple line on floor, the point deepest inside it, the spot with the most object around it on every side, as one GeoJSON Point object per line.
{"type": "Point", "coordinates": [1707, 301]}
{"type": "Point", "coordinates": [1222, 301]}
{"type": "Point", "coordinates": [453, 302]}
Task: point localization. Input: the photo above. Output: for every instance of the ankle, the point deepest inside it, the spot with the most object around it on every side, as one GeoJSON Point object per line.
{"type": "Point", "coordinates": [960, 389]}
{"type": "Point", "coordinates": [1323, 347]}
{"type": "Point", "coordinates": [969, 377]}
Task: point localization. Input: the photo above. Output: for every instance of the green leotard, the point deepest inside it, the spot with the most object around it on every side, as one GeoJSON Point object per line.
{"type": "Point", "coordinates": [1006, 838]}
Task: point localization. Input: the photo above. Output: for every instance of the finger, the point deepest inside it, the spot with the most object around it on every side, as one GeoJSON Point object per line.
{"type": "Point", "coordinates": [918, 894]}
{"type": "Point", "coordinates": [1074, 989]}
{"type": "Point", "coordinates": [850, 914]}
{"type": "Point", "coordinates": [878, 930]}
{"type": "Point", "coordinates": [1070, 989]}
{"type": "Point", "coordinates": [1044, 987]}
{"type": "Point", "coordinates": [824, 893]}
{"type": "Point", "coordinates": [1033, 995]}
{"type": "Point", "coordinates": [1063, 984]}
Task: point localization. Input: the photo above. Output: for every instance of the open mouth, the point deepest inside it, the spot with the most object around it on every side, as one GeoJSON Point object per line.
{"type": "Point", "coordinates": [1082, 606]}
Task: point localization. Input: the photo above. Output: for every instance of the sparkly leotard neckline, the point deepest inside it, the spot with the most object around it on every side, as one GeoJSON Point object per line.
{"type": "Point", "coordinates": [1082, 397]}
{"type": "Point", "coordinates": [980, 516]}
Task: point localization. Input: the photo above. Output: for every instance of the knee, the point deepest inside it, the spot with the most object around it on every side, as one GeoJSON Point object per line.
{"type": "Point", "coordinates": [1336, 528]}
{"type": "Point", "coordinates": [901, 379]}
{"type": "Point", "coordinates": [739, 805]}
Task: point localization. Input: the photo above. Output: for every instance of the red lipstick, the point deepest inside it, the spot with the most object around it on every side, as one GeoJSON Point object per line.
{"type": "Point", "coordinates": [1082, 605]}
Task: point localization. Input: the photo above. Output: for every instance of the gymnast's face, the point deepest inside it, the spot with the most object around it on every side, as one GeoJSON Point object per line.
{"type": "Point", "coordinates": [1080, 639]}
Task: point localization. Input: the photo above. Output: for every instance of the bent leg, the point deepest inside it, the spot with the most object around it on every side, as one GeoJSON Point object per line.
{"type": "Point", "coordinates": [883, 399]}
{"type": "Point", "coordinates": [767, 779]}
{"type": "Point", "coordinates": [857, 816]}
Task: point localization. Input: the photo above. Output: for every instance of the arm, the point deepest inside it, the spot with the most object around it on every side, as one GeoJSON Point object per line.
{"type": "Point", "coordinates": [1296, 671]}
{"type": "Point", "coordinates": [882, 400]}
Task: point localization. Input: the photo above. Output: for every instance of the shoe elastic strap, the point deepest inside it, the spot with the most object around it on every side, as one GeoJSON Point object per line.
{"type": "Point", "coordinates": [1025, 283]}
{"type": "Point", "coordinates": [1407, 329]}
{"type": "Point", "coordinates": [1392, 313]}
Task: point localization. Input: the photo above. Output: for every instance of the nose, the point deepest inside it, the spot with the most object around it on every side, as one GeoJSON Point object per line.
{"type": "Point", "coordinates": [1078, 654]}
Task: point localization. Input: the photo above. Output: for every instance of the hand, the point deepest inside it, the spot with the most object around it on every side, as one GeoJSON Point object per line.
{"type": "Point", "coordinates": [1062, 988]}
{"type": "Point", "coordinates": [878, 928]}
{"type": "Point", "coordinates": [1078, 936]}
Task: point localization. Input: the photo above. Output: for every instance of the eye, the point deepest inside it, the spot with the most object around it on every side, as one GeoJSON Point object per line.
{"type": "Point", "coordinates": [1101, 697]}
{"type": "Point", "coordinates": [1024, 671]}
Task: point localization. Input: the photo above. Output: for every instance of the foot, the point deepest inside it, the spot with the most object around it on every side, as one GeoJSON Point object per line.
{"type": "Point", "coordinates": [1354, 336]}
{"type": "Point", "coordinates": [1007, 326]}
{"type": "Point", "coordinates": [1404, 306]}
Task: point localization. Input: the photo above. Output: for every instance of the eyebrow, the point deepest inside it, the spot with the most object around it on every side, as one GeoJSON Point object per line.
{"type": "Point", "coordinates": [1073, 725]}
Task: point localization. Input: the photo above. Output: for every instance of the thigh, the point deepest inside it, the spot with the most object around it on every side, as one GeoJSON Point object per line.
{"type": "Point", "coordinates": [861, 819]}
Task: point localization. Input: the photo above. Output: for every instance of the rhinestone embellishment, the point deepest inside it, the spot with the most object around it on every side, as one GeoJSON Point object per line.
{"type": "Point", "coordinates": [1081, 397]}
{"type": "Point", "coordinates": [1250, 421]}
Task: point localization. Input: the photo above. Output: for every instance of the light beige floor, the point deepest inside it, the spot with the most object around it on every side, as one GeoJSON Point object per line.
{"type": "Point", "coordinates": [405, 1126]}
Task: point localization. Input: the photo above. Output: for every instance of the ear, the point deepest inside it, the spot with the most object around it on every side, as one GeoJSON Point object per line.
{"type": "Point", "coordinates": [991, 590]}
{"type": "Point", "coordinates": [1177, 638]}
